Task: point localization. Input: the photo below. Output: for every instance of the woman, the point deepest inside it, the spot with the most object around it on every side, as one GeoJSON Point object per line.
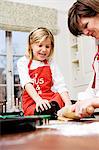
{"type": "Point", "coordinates": [83, 18]}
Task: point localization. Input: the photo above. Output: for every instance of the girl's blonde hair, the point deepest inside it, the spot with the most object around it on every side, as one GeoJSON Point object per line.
{"type": "Point", "coordinates": [39, 35]}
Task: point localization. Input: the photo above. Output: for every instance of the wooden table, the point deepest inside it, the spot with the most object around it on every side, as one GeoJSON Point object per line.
{"type": "Point", "coordinates": [46, 138]}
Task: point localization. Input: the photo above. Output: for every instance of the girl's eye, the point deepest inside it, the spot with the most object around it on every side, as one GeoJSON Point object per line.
{"type": "Point", "coordinates": [40, 45]}
{"type": "Point", "coordinates": [47, 46]}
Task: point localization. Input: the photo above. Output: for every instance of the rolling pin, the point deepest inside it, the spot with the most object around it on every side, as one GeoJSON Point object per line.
{"type": "Point", "coordinates": [66, 112]}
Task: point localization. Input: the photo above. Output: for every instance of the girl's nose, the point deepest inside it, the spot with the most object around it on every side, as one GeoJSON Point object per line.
{"type": "Point", "coordinates": [44, 49]}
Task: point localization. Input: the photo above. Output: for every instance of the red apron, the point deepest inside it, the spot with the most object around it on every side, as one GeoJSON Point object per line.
{"type": "Point", "coordinates": [95, 57]}
{"type": "Point", "coordinates": [42, 82]}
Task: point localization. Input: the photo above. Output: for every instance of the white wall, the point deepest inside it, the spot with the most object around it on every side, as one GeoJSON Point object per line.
{"type": "Point", "coordinates": [57, 4]}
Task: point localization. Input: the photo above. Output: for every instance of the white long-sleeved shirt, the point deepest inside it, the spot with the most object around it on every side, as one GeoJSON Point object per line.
{"type": "Point", "coordinates": [90, 92]}
{"type": "Point", "coordinates": [58, 79]}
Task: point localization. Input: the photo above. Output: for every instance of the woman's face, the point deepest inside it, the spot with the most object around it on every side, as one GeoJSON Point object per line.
{"type": "Point", "coordinates": [41, 50]}
{"type": "Point", "coordinates": [90, 26]}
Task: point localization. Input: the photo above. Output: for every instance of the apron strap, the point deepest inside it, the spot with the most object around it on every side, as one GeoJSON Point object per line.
{"type": "Point", "coordinates": [29, 63]}
{"type": "Point", "coordinates": [45, 61]}
{"type": "Point", "coordinates": [95, 57]}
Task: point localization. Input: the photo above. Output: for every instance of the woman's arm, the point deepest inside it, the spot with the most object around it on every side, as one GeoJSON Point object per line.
{"type": "Point", "coordinates": [95, 103]}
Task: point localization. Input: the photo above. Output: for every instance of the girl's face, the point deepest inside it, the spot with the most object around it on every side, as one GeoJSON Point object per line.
{"type": "Point", "coordinates": [90, 26]}
{"type": "Point", "coordinates": [41, 50]}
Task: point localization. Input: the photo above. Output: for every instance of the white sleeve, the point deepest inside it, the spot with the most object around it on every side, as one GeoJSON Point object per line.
{"type": "Point", "coordinates": [22, 66]}
{"type": "Point", "coordinates": [58, 79]}
{"type": "Point", "coordinates": [88, 93]}
{"type": "Point", "coordinates": [91, 92]}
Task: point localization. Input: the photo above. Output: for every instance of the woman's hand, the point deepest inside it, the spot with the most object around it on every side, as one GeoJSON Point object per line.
{"type": "Point", "coordinates": [42, 104]}
{"type": "Point", "coordinates": [83, 108]}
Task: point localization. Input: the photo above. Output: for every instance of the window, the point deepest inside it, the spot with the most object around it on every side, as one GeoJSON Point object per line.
{"type": "Point", "coordinates": [12, 46]}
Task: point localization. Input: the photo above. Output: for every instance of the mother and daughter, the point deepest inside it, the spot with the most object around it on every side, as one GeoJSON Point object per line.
{"type": "Point", "coordinates": [42, 82]}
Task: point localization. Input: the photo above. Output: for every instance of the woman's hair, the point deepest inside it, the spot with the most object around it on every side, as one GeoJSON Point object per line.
{"type": "Point", "coordinates": [81, 8]}
{"type": "Point", "coordinates": [39, 35]}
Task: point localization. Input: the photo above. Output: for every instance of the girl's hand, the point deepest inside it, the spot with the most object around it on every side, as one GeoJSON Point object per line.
{"type": "Point", "coordinates": [67, 113]}
{"type": "Point", "coordinates": [63, 110]}
{"type": "Point", "coordinates": [43, 105]}
{"type": "Point", "coordinates": [60, 112]}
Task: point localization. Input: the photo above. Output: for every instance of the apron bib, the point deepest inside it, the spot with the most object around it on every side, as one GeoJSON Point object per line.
{"type": "Point", "coordinates": [42, 82]}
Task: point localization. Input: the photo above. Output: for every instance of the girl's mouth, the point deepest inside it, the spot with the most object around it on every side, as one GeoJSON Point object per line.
{"type": "Point", "coordinates": [42, 54]}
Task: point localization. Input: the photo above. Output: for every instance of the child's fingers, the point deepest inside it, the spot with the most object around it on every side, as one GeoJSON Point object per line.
{"type": "Point", "coordinates": [45, 106]}
{"type": "Point", "coordinates": [42, 107]}
{"type": "Point", "coordinates": [39, 106]}
{"type": "Point", "coordinates": [61, 112]}
{"type": "Point", "coordinates": [48, 104]}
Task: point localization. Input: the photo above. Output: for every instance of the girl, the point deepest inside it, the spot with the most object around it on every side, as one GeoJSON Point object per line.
{"type": "Point", "coordinates": [39, 75]}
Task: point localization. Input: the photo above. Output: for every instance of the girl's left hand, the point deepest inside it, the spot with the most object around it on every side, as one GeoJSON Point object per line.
{"type": "Point", "coordinates": [61, 112]}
